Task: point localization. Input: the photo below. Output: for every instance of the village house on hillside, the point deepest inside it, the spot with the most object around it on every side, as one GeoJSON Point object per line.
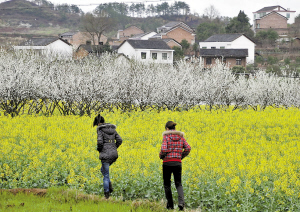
{"type": "Point", "coordinates": [143, 36]}
{"type": "Point", "coordinates": [77, 38]}
{"type": "Point", "coordinates": [177, 31]}
{"type": "Point", "coordinates": [232, 49]}
{"type": "Point", "coordinates": [56, 47]}
{"type": "Point", "coordinates": [275, 17]}
{"type": "Point", "coordinates": [128, 32]}
{"type": "Point", "coordinates": [85, 50]}
{"type": "Point", "coordinates": [147, 50]}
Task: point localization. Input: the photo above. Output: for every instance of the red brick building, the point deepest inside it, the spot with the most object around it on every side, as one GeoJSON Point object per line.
{"type": "Point", "coordinates": [128, 32]}
{"type": "Point", "coordinates": [272, 20]}
{"type": "Point", "coordinates": [177, 31]}
{"type": "Point", "coordinates": [77, 38]}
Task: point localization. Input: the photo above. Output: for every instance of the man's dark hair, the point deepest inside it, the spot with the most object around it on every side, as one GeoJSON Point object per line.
{"type": "Point", "coordinates": [171, 125]}
{"type": "Point", "coordinates": [98, 119]}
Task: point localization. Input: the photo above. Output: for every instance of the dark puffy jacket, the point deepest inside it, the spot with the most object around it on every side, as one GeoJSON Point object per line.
{"type": "Point", "coordinates": [107, 143]}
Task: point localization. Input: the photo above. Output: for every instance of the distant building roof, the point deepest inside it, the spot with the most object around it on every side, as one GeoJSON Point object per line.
{"type": "Point", "coordinates": [224, 52]}
{"type": "Point", "coordinates": [140, 35]}
{"type": "Point", "coordinates": [147, 44]}
{"type": "Point", "coordinates": [173, 24]}
{"type": "Point", "coordinates": [223, 37]}
{"type": "Point", "coordinates": [271, 8]}
{"type": "Point", "coordinates": [170, 39]}
{"type": "Point", "coordinates": [267, 9]}
{"type": "Point", "coordinates": [41, 41]}
{"type": "Point", "coordinates": [71, 33]}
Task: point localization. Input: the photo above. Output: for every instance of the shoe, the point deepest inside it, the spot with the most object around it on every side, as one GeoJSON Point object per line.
{"type": "Point", "coordinates": [170, 207]}
{"type": "Point", "coordinates": [181, 207]}
{"type": "Point", "coordinates": [106, 194]}
{"type": "Point", "coordinates": [110, 188]}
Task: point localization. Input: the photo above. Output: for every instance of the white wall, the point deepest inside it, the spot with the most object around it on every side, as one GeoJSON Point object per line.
{"type": "Point", "coordinates": [149, 35]}
{"type": "Point", "coordinates": [127, 50]}
{"type": "Point", "coordinates": [244, 43]}
{"type": "Point", "coordinates": [57, 48]}
{"type": "Point", "coordinates": [240, 43]}
{"type": "Point", "coordinates": [132, 53]}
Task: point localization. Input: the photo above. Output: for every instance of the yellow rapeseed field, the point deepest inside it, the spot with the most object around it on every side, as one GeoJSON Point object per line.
{"type": "Point", "coordinates": [240, 160]}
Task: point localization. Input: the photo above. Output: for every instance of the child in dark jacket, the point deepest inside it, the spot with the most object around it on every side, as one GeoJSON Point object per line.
{"type": "Point", "coordinates": [108, 141]}
{"type": "Point", "coordinates": [174, 148]}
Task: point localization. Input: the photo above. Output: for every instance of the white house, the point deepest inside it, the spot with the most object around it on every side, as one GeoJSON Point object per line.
{"type": "Point", "coordinates": [143, 36]}
{"type": "Point", "coordinates": [230, 41]}
{"type": "Point", "coordinates": [147, 50]}
{"type": "Point", "coordinates": [289, 14]}
{"type": "Point", "coordinates": [56, 47]}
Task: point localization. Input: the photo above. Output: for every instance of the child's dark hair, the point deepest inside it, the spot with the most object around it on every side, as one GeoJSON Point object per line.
{"type": "Point", "coordinates": [170, 125]}
{"type": "Point", "coordinates": [98, 119]}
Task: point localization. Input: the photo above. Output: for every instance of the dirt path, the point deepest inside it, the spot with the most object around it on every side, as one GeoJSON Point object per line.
{"type": "Point", "coordinates": [36, 191]}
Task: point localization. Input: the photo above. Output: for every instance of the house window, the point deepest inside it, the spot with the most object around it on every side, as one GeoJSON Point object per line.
{"type": "Point", "coordinates": [257, 26]}
{"type": "Point", "coordinates": [154, 56]}
{"type": "Point", "coordinates": [238, 61]}
{"type": "Point", "coordinates": [143, 55]}
{"type": "Point", "coordinates": [213, 47]}
{"type": "Point", "coordinates": [222, 47]}
{"type": "Point", "coordinates": [164, 56]}
{"type": "Point", "coordinates": [204, 47]}
{"type": "Point", "coordinates": [288, 15]}
{"type": "Point", "coordinates": [208, 61]}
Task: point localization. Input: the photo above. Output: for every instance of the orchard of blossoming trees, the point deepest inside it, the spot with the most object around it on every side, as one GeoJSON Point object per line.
{"type": "Point", "coordinates": [33, 84]}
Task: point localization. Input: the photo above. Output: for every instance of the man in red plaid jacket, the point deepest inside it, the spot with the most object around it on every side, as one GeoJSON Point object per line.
{"type": "Point", "coordinates": [174, 148]}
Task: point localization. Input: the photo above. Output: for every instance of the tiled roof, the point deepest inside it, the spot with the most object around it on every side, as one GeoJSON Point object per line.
{"type": "Point", "coordinates": [224, 52]}
{"type": "Point", "coordinates": [39, 41]}
{"type": "Point", "coordinates": [270, 8]}
{"type": "Point", "coordinates": [140, 35]}
{"type": "Point", "coordinates": [148, 44]}
{"type": "Point", "coordinates": [172, 24]}
{"type": "Point", "coordinates": [223, 37]}
{"type": "Point", "coordinates": [71, 33]}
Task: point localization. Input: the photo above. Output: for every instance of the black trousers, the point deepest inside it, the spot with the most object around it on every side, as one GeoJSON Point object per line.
{"type": "Point", "coordinates": [176, 169]}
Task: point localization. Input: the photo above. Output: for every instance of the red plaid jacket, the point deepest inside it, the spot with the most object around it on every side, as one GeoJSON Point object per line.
{"type": "Point", "coordinates": [173, 145]}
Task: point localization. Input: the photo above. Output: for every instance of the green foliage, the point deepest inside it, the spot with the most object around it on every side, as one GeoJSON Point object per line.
{"type": "Point", "coordinates": [207, 29]}
{"type": "Point", "coordinates": [272, 60]}
{"type": "Point", "coordinates": [287, 61]}
{"type": "Point", "coordinates": [178, 53]}
{"type": "Point", "coordinates": [63, 199]}
{"type": "Point", "coordinates": [240, 24]}
{"type": "Point", "coordinates": [259, 59]}
{"type": "Point", "coordinates": [185, 44]}
{"type": "Point", "coordinates": [274, 69]}
{"type": "Point", "coordinates": [239, 69]}
{"type": "Point", "coordinates": [268, 37]}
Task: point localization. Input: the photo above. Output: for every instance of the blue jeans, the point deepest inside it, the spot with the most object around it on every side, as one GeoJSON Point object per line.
{"type": "Point", "coordinates": [105, 172]}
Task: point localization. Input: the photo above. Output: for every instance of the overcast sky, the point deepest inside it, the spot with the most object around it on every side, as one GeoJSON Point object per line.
{"type": "Point", "coordinates": [228, 8]}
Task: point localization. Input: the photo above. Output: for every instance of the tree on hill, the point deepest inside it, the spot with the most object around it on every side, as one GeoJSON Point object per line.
{"type": "Point", "coordinates": [207, 29]}
{"type": "Point", "coordinates": [96, 25]}
{"type": "Point", "coordinates": [211, 12]}
{"type": "Point", "coordinates": [265, 38]}
{"type": "Point", "coordinates": [240, 24]}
